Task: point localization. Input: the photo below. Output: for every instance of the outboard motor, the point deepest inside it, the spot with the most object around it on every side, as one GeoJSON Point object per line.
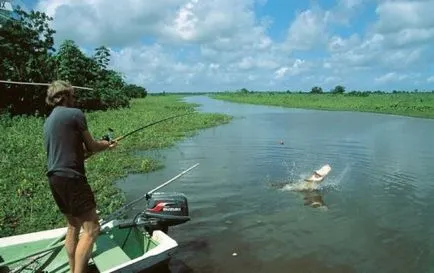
{"type": "Point", "coordinates": [167, 209]}
{"type": "Point", "coordinates": [163, 210]}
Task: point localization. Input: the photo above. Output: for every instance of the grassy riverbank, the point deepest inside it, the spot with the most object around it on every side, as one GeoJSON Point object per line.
{"type": "Point", "coordinates": [26, 204]}
{"type": "Point", "coordinates": [405, 104]}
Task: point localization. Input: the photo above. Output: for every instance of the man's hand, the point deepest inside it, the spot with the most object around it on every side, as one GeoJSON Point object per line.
{"type": "Point", "coordinates": [102, 144]}
{"type": "Point", "coordinates": [106, 144]}
{"type": "Point", "coordinates": [112, 144]}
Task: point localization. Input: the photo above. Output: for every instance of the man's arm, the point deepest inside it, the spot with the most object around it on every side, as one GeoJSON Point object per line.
{"type": "Point", "coordinates": [87, 153]}
{"type": "Point", "coordinates": [93, 146]}
{"type": "Point", "coordinates": [90, 145]}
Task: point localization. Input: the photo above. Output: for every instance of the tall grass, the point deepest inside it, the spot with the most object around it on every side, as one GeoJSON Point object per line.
{"type": "Point", "coordinates": [26, 204]}
{"type": "Point", "coordinates": [406, 104]}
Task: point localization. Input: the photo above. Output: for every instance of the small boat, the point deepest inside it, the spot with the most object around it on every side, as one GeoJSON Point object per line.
{"type": "Point", "coordinates": [131, 245]}
{"type": "Point", "coordinates": [116, 250]}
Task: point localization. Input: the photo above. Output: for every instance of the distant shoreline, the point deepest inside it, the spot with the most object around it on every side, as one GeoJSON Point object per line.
{"type": "Point", "coordinates": [416, 104]}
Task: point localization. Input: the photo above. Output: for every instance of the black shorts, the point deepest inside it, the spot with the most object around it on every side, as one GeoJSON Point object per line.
{"type": "Point", "coordinates": [72, 195]}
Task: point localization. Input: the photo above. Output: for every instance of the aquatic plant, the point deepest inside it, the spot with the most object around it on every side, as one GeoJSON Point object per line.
{"type": "Point", "coordinates": [26, 204]}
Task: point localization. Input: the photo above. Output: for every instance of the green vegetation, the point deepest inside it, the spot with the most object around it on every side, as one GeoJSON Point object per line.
{"type": "Point", "coordinates": [415, 104]}
{"type": "Point", "coordinates": [27, 54]}
{"type": "Point", "coordinates": [26, 204]}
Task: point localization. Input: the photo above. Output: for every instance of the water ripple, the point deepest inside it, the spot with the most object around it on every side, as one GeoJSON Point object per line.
{"type": "Point", "coordinates": [378, 195]}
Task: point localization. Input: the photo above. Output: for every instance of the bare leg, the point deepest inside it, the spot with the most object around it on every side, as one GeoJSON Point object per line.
{"type": "Point", "coordinates": [71, 239]}
{"type": "Point", "coordinates": [91, 230]}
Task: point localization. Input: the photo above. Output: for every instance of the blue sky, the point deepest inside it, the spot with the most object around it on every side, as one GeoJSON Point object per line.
{"type": "Point", "coordinates": [217, 45]}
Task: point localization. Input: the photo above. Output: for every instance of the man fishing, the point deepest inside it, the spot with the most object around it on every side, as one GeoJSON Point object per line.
{"type": "Point", "coordinates": [67, 143]}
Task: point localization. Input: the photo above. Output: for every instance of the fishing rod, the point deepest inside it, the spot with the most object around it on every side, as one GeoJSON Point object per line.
{"type": "Point", "coordinates": [56, 245]}
{"type": "Point", "coordinates": [39, 83]}
{"type": "Point", "coordinates": [109, 137]}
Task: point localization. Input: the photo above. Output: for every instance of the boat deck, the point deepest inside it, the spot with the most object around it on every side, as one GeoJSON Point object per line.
{"type": "Point", "coordinates": [106, 254]}
{"type": "Point", "coordinates": [123, 250]}
{"type": "Point", "coordinates": [110, 250]}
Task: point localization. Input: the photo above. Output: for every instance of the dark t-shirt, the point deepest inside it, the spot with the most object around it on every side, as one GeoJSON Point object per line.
{"type": "Point", "coordinates": [63, 139]}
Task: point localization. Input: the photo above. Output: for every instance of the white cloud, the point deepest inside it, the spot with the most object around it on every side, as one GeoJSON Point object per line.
{"type": "Point", "coordinates": [339, 44]}
{"type": "Point", "coordinates": [332, 79]}
{"type": "Point", "coordinates": [380, 50]}
{"type": "Point", "coordinates": [147, 64]}
{"type": "Point", "coordinates": [280, 73]}
{"type": "Point", "coordinates": [388, 42]}
{"type": "Point", "coordinates": [390, 77]}
{"type": "Point", "coordinates": [397, 77]}
{"type": "Point", "coordinates": [411, 36]}
{"type": "Point", "coordinates": [95, 22]}
{"type": "Point", "coordinates": [186, 21]}
{"type": "Point", "coordinates": [345, 11]}
{"type": "Point", "coordinates": [415, 25]}
{"type": "Point", "coordinates": [308, 30]}
{"type": "Point", "coordinates": [350, 4]}
{"type": "Point", "coordinates": [223, 44]}
{"type": "Point", "coordinates": [216, 23]}
{"type": "Point", "coordinates": [397, 15]}
{"type": "Point", "coordinates": [298, 66]}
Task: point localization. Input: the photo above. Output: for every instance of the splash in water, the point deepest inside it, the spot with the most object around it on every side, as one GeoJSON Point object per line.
{"type": "Point", "coordinates": [298, 183]}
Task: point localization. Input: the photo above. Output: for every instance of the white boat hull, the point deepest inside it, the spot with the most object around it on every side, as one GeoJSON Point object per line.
{"type": "Point", "coordinates": [160, 253]}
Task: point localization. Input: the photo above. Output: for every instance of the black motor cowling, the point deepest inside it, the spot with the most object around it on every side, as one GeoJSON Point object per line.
{"type": "Point", "coordinates": [163, 210]}
{"type": "Point", "coordinates": [168, 209]}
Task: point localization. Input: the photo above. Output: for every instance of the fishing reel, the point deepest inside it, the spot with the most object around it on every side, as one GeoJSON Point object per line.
{"type": "Point", "coordinates": [109, 135]}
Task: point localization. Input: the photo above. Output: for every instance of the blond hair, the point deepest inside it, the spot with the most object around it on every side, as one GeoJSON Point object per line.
{"type": "Point", "coordinates": [58, 92]}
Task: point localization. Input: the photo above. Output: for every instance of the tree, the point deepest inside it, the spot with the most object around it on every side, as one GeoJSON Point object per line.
{"type": "Point", "coordinates": [338, 90]}
{"type": "Point", "coordinates": [74, 66]}
{"type": "Point", "coordinates": [102, 57]}
{"type": "Point", "coordinates": [26, 54]}
{"type": "Point", "coordinates": [243, 91]}
{"type": "Point", "coordinates": [316, 90]}
{"type": "Point", "coordinates": [135, 91]}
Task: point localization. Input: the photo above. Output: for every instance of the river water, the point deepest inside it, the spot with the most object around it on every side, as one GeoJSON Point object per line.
{"type": "Point", "coordinates": [377, 206]}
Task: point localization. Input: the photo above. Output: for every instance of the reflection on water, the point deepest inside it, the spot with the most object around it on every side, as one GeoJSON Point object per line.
{"type": "Point", "coordinates": [312, 193]}
{"type": "Point", "coordinates": [314, 199]}
{"type": "Point", "coordinates": [374, 209]}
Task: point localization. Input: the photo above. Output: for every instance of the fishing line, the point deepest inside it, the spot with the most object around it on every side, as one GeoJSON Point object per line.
{"type": "Point", "coordinates": [109, 136]}
{"type": "Point", "coordinates": [150, 124]}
